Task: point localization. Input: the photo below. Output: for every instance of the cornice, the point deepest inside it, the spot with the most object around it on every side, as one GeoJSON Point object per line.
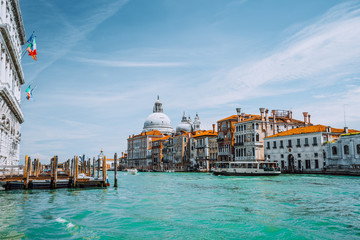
{"type": "Point", "coordinates": [6, 35]}
{"type": "Point", "coordinates": [13, 105]}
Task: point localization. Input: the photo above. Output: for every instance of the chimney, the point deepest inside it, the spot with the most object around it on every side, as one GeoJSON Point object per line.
{"type": "Point", "coordinates": [242, 116]}
{"type": "Point", "coordinates": [267, 115]}
{"type": "Point", "coordinates": [328, 129]}
{"type": "Point", "coordinates": [274, 115]}
{"type": "Point", "coordinates": [291, 115]}
{"type": "Point", "coordinates": [346, 129]}
{"type": "Point", "coordinates": [238, 112]}
{"type": "Point", "coordinates": [213, 128]}
{"type": "Point", "coordinates": [305, 117]}
{"type": "Point", "coordinates": [309, 119]}
{"type": "Point", "coordinates": [122, 154]}
{"type": "Point", "coordinates": [262, 110]}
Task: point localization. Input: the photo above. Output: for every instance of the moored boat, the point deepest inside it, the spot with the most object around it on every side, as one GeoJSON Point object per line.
{"type": "Point", "coordinates": [249, 168]}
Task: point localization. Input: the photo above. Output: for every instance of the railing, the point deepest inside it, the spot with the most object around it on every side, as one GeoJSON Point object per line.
{"type": "Point", "coordinates": [298, 146]}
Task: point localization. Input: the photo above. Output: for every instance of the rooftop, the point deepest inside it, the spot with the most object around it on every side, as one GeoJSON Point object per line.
{"type": "Point", "coordinates": [311, 129]}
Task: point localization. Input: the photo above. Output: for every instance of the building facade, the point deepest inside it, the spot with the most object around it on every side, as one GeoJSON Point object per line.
{"type": "Point", "coordinates": [202, 143]}
{"type": "Point", "coordinates": [301, 149]}
{"type": "Point", "coordinates": [139, 153]}
{"type": "Point", "coordinates": [12, 37]}
{"type": "Point", "coordinates": [226, 136]}
{"type": "Point", "coordinates": [343, 153]}
{"type": "Point", "coordinates": [251, 130]}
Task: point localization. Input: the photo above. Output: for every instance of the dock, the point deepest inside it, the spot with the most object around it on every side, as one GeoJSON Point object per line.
{"type": "Point", "coordinates": [70, 174]}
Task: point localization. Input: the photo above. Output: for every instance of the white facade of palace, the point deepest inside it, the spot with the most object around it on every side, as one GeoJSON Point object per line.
{"type": "Point", "coordinates": [301, 149]}
{"type": "Point", "coordinates": [12, 37]}
{"type": "Point", "coordinates": [344, 153]}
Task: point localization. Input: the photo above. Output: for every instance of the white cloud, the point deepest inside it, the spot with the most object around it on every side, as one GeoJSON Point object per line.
{"type": "Point", "coordinates": [321, 53]}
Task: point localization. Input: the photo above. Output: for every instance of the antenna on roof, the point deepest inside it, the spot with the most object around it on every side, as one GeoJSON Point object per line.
{"type": "Point", "coordinates": [344, 115]}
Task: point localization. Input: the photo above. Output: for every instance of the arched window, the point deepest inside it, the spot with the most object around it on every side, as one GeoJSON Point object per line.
{"type": "Point", "coordinates": [346, 149]}
{"type": "Point", "coordinates": [358, 149]}
{"type": "Point", "coordinates": [334, 150]}
{"type": "Point", "coordinates": [257, 137]}
{"type": "Point", "coordinates": [257, 126]}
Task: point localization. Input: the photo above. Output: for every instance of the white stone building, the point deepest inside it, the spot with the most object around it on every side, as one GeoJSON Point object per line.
{"type": "Point", "coordinates": [251, 130]}
{"type": "Point", "coordinates": [12, 37]}
{"type": "Point", "coordinates": [301, 149]}
{"type": "Point", "coordinates": [343, 153]}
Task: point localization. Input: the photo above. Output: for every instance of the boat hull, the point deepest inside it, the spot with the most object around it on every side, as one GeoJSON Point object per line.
{"type": "Point", "coordinates": [246, 174]}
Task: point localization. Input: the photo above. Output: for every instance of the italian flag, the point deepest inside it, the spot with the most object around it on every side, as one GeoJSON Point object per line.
{"type": "Point", "coordinates": [32, 51]}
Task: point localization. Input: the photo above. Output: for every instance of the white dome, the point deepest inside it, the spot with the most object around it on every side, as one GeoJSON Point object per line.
{"type": "Point", "coordinates": [158, 121]}
{"type": "Point", "coordinates": [183, 126]}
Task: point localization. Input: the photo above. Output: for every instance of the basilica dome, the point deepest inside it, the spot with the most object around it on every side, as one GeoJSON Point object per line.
{"type": "Point", "coordinates": [184, 125]}
{"type": "Point", "coordinates": [158, 120]}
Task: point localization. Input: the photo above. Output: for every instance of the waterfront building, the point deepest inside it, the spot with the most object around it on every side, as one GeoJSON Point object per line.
{"type": "Point", "coordinates": [301, 149]}
{"type": "Point", "coordinates": [139, 149]}
{"type": "Point", "coordinates": [157, 150]}
{"type": "Point", "coordinates": [343, 154]}
{"type": "Point", "coordinates": [12, 37]}
{"type": "Point", "coordinates": [226, 130]}
{"type": "Point", "coordinates": [213, 151]}
{"type": "Point", "coordinates": [201, 141]}
{"type": "Point", "coordinates": [181, 151]}
{"type": "Point", "coordinates": [251, 129]}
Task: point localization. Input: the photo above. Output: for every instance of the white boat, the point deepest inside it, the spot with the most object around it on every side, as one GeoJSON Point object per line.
{"type": "Point", "coordinates": [132, 171]}
{"type": "Point", "coordinates": [249, 168]}
{"type": "Point", "coordinates": [170, 170]}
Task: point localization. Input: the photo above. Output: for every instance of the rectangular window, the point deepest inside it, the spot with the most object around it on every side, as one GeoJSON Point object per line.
{"type": "Point", "coordinates": [307, 163]}
{"type": "Point", "coordinates": [306, 142]}
{"type": "Point", "coordinates": [299, 164]}
{"type": "Point", "coordinates": [316, 154]}
{"type": "Point", "coordinates": [281, 144]}
{"type": "Point", "coordinates": [315, 141]}
{"type": "Point", "coordinates": [274, 144]}
{"type": "Point", "coordinates": [268, 145]}
{"type": "Point", "coordinates": [298, 142]}
{"type": "Point", "coordinates": [299, 154]}
{"type": "Point", "coordinates": [282, 155]}
{"type": "Point", "coordinates": [316, 163]}
{"type": "Point", "coordinates": [289, 144]}
{"type": "Point", "coordinates": [282, 164]}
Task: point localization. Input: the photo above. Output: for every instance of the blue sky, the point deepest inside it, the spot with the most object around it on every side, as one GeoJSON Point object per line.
{"type": "Point", "coordinates": [102, 63]}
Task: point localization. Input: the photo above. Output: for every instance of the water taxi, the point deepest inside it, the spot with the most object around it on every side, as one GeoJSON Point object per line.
{"type": "Point", "coordinates": [249, 168]}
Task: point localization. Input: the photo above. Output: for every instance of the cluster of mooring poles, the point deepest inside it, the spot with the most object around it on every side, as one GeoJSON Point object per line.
{"type": "Point", "coordinates": [74, 173]}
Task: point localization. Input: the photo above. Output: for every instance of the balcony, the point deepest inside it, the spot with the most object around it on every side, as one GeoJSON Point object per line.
{"type": "Point", "coordinates": [314, 144]}
{"type": "Point", "coordinates": [281, 147]}
{"type": "Point", "coordinates": [274, 147]}
{"type": "Point", "coordinates": [239, 144]}
{"type": "Point", "coordinates": [224, 153]}
{"type": "Point", "coordinates": [306, 145]}
{"type": "Point", "coordinates": [298, 146]}
{"type": "Point", "coordinates": [289, 146]}
{"type": "Point", "coordinates": [200, 146]}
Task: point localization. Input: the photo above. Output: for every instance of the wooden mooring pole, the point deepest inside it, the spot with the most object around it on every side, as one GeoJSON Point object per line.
{"type": "Point", "coordinates": [115, 170]}
{"type": "Point", "coordinates": [104, 168]}
{"type": "Point", "coordinates": [98, 168]}
{"type": "Point", "coordinates": [76, 173]}
{"type": "Point", "coordinates": [27, 171]}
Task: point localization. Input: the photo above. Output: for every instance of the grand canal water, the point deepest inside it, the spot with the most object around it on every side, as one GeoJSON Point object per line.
{"type": "Point", "coordinates": [189, 206]}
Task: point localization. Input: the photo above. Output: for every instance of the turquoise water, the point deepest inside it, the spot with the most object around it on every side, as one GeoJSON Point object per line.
{"type": "Point", "coordinates": [189, 206]}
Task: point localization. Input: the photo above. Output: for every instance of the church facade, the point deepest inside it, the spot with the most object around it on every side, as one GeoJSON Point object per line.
{"type": "Point", "coordinates": [12, 37]}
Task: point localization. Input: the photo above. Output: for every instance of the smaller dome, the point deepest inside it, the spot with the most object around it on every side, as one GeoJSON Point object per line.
{"type": "Point", "coordinates": [184, 125]}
